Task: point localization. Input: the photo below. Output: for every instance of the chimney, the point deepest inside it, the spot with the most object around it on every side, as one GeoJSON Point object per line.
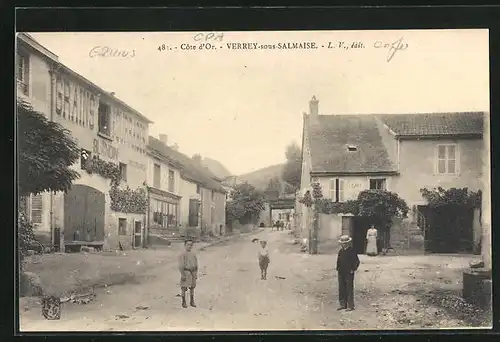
{"type": "Point", "coordinates": [197, 158]}
{"type": "Point", "coordinates": [313, 106]}
{"type": "Point", "coordinates": [163, 138]}
{"type": "Point", "coordinates": [175, 147]}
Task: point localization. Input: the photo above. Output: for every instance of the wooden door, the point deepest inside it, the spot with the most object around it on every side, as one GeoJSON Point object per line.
{"type": "Point", "coordinates": [84, 209]}
{"type": "Point", "coordinates": [194, 211]}
{"type": "Point", "coordinates": [347, 224]}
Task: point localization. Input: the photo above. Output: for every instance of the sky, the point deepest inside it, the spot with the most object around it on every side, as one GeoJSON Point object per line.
{"type": "Point", "coordinates": [243, 107]}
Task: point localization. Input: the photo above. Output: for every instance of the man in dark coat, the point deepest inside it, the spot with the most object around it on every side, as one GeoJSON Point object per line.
{"type": "Point", "coordinates": [347, 264]}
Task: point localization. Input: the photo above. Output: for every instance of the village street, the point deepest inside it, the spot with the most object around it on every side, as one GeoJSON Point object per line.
{"type": "Point", "coordinates": [300, 293]}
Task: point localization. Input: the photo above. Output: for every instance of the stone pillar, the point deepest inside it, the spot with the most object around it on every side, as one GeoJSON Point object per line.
{"type": "Point", "coordinates": [486, 196]}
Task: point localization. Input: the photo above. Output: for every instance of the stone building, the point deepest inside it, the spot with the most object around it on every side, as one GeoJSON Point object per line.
{"type": "Point", "coordinates": [110, 134]}
{"type": "Point", "coordinates": [401, 153]}
{"type": "Point", "coordinates": [194, 197]}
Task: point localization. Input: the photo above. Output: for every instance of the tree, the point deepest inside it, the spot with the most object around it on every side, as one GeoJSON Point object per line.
{"type": "Point", "coordinates": [46, 153]}
{"type": "Point", "coordinates": [381, 207]}
{"type": "Point", "coordinates": [273, 189]}
{"type": "Point", "coordinates": [245, 204]}
{"type": "Point", "coordinates": [293, 166]}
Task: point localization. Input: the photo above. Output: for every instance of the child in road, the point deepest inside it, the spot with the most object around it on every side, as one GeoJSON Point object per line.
{"type": "Point", "coordinates": [188, 267]}
{"type": "Point", "coordinates": [264, 259]}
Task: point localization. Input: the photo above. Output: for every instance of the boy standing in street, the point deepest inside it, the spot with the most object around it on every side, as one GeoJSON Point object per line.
{"type": "Point", "coordinates": [264, 259]}
{"type": "Point", "coordinates": [347, 264]}
{"type": "Point", "coordinates": [188, 267]}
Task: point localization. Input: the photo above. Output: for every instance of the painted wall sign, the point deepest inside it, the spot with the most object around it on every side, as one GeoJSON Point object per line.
{"type": "Point", "coordinates": [353, 188]}
{"type": "Point", "coordinates": [355, 185]}
{"type": "Point", "coordinates": [76, 103]}
{"type": "Point", "coordinates": [138, 165]}
{"type": "Point", "coordinates": [104, 148]}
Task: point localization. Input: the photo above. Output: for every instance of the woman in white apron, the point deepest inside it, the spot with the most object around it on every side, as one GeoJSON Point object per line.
{"type": "Point", "coordinates": [371, 238]}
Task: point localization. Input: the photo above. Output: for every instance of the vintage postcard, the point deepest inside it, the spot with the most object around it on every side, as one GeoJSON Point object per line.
{"type": "Point", "coordinates": [291, 180]}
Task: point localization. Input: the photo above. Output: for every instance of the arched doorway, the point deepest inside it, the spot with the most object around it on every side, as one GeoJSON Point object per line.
{"type": "Point", "coordinates": [84, 209]}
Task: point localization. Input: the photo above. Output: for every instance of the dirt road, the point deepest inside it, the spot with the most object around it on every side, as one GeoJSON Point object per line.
{"type": "Point", "coordinates": [300, 293]}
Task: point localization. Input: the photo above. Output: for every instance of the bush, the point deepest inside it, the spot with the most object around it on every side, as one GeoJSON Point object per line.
{"type": "Point", "coordinates": [26, 236]}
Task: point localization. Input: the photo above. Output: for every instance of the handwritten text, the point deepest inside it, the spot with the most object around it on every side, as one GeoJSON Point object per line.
{"type": "Point", "coordinates": [394, 47]}
{"type": "Point", "coordinates": [106, 51]}
{"type": "Point", "coordinates": [210, 36]}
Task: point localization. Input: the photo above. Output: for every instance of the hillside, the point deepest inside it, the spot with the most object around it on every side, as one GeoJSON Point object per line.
{"type": "Point", "coordinates": [260, 178]}
{"type": "Point", "coordinates": [216, 168]}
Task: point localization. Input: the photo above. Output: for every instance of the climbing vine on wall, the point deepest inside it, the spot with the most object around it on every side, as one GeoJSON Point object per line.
{"type": "Point", "coordinates": [123, 200]}
{"type": "Point", "coordinates": [327, 206]}
{"type": "Point", "coordinates": [108, 170]}
{"type": "Point", "coordinates": [128, 200]}
{"type": "Point", "coordinates": [370, 203]}
{"type": "Point", "coordinates": [439, 197]}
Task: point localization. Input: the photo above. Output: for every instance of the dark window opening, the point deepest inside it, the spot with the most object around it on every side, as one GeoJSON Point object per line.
{"type": "Point", "coordinates": [352, 148]}
{"type": "Point", "coordinates": [122, 226]}
{"type": "Point", "coordinates": [171, 181]}
{"type": "Point", "coordinates": [104, 119]}
{"type": "Point", "coordinates": [84, 158]}
{"type": "Point", "coordinates": [377, 184]}
{"type": "Point", "coordinates": [123, 171]}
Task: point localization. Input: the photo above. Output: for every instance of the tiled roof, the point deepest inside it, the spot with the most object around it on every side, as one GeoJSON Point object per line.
{"type": "Point", "coordinates": [444, 124]}
{"type": "Point", "coordinates": [188, 168]}
{"type": "Point", "coordinates": [330, 135]}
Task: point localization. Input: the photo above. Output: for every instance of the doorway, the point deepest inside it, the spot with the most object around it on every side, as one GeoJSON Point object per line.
{"type": "Point", "coordinates": [137, 234]}
{"type": "Point", "coordinates": [359, 228]}
{"type": "Point", "coordinates": [84, 209]}
{"type": "Point", "coordinates": [449, 231]}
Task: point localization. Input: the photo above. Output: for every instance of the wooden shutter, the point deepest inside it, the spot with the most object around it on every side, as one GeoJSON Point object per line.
{"type": "Point", "coordinates": [36, 209]}
{"type": "Point", "coordinates": [341, 194]}
{"type": "Point", "coordinates": [333, 190]}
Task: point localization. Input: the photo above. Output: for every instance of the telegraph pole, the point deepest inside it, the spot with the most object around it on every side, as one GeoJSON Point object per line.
{"type": "Point", "coordinates": [315, 228]}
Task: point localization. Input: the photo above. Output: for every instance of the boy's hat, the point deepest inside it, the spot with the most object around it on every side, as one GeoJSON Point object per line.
{"type": "Point", "coordinates": [345, 239]}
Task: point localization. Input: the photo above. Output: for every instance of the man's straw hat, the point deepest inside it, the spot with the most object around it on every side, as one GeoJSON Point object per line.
{"type": "Point", "coordinates": [345, 239]}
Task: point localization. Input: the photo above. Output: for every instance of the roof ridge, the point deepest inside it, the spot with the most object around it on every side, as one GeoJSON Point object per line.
{"type": "Point", "coordinates": [188, 167]}
{"type": "Point", "coordinates": [407, 113]}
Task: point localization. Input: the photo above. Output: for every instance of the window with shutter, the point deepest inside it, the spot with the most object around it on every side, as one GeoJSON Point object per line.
{"type": "Point", "coordinates": [157, 176]}
{"type": "Point", "coordinates": [340, 190]}
{"type": "Point", "coordinates": [36, 209]}
{"type": "Point", "coordinates": [23, 73]}
{"type": "Point", "coordinates": [171, 181]}
{"type": "Point", "coordinates": [333, 189]}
